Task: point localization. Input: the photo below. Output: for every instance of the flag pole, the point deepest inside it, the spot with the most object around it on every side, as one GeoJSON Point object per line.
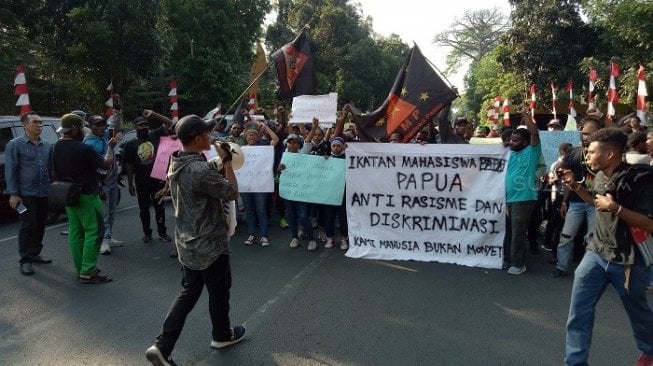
{"type": "Point", "coordinates": [257, 78]}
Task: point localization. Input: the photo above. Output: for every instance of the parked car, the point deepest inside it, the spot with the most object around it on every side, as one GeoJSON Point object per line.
{"type": "Point", "coordinates": [10, 128]}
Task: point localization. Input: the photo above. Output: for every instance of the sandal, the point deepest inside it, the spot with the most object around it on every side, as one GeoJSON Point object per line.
{"type": "Point", "coordinates": [250, 240]}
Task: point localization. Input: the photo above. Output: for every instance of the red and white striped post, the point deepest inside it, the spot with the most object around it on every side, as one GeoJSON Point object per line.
{"type": "Point", "coordinates": [590, 94]}
{"type": "Point", "coordinates": [533, 100]}
{"type": "Point", "coordinates": [109, 102]}
{"type": "Point", "coordinates": [506, 112]}
{"type": "Point", "coordinates": [554, 99]}
{"type": "Point", "coordinates": [174, 107]}
{"type": "Point", "coordinates": [613, 96]}
{"type": "Point", "coordinates": [20, 83]}
{"type": "Point", "coordinates": [641, 94]}
{"type": "Point", "coordinates": [570, 90]}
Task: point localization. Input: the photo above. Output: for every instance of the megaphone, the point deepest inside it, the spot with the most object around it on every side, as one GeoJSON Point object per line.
{"type": "Point", "coordinates": [237, 156]}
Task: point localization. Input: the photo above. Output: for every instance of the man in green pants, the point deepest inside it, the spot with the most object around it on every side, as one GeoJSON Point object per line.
{"type": "Point", "coordinates": [74, 161]}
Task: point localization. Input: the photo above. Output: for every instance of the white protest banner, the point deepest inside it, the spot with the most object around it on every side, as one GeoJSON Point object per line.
{"type": "Point", "coordinates": [551, 141]}
{"type": "Point", "coordinates": [256, 174]}
{"type": "Point", "coordinates": [323, 107]}
{"type": "Point", "coordinates": [443, 203]}
{"type": "Point", "coordinates": [166, 147]}
{"type": "Point", "coordinates": [312, 178]}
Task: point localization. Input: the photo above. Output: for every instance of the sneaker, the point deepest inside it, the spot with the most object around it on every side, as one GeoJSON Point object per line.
{"type": "Point", "coordinates": [505, 265]}
{"type": "Point", "coordinates": [250, 240]}
{"type": "Point", "coordinates": [237, 335]}
{"type": "Point", "coordinates": [154, 355]}
{"type": "Point", "coordinates": [94, 278]}
{"type": "Point", "coordinates": [547, 248]}
{"type": "Point", "coordinates": [105, 248]}
{"type": "Point", "coordinates": [516, 270]}
{"type": "Point", "coordinates": [294, 243]}
{"type": "Point", "coordinates": [312, 245]}
{"type": "Point", "coordinates": [147, 239]}
{"type": "Point", "coordinates": [115, 243]}
{"type": "Point", "coordinates": [558, 273]}
{"type": "Point", "coordinates": [173, 254]}
{"type": "Point", "coordinates": [649, 289]}
{"type": "Point", "coordinates": [344, 244]}
{"type": "Point", "coordinates": [644, 360]}
{"type": "Point", "coordinates": [329, 243]}
{"type": "Point", "coordinates": [265, 242]}
{"type": "Point", "coordinates": [283, 223]}
{"type": "Point", "coordinates": [164, 237]}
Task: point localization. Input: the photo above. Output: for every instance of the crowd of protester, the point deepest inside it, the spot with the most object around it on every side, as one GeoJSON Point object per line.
{"type": "Point", "coordinates": [552, 213]}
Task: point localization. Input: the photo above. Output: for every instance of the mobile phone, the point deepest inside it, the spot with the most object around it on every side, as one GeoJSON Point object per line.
{"type": "Point", "coordinates": [111, 132]}
{"type": "Point", "coordinates": [20, 207]}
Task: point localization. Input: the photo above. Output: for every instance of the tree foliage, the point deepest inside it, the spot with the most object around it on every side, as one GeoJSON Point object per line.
{"type": "Point", "coordinates": [470, 37]}
{"type": "Point", "coordinates": [548, 39]}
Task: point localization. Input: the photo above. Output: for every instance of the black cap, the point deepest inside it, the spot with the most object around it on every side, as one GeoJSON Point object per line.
{"type": "Point", "coordinates": [140, 120]}
{"type": "Point", "coordinates": [190, 127]}
{"type": "Point", "coordinates": [96, 120]}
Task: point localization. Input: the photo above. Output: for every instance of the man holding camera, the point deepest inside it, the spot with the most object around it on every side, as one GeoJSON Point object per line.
{"type": "Point", "coordinates": [109, 190]}
{"type": "Point", "coordinates": [199, 191]}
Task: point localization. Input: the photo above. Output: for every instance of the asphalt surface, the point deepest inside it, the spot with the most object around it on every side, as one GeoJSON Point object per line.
{"type": "Point", "coordinates": [299, 308]}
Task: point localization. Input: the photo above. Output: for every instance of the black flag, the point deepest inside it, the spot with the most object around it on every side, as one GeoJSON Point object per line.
{"type": "Point", "coordinates": [295, 68]}
{"type": "Point", "coordinates": [417, 95]}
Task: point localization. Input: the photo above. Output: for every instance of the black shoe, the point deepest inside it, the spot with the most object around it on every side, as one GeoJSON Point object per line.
{"type": "Point", "coordinates": [547, 248]}
{"type": "Point", "coordinates": [174, 254]}
{"type": "Point", "coordinates": [164, 237]}
{"type": "Point", "coordinates": [26, 269]}
{"type": "Point", "coordinates": [63, 232]}
{"type": "Point", "coordinates": [95, 279]}
{"type": "Point", "coordinates": [237, 335]}
{"type": "Point", "coordinates": [147, 239]}
{"type": "Point", "coordinates": [156, 357]}
{"type": "Point", "coordinates": [558, 273]}
{"type": "Point", "coordinates": [41, 260]}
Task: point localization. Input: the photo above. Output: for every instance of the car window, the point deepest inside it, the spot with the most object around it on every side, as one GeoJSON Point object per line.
{"type": "Point", "coordinates": [5, 137]}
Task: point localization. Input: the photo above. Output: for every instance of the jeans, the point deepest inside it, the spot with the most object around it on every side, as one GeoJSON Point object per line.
{"type": "Point", "coordinates": [145, 192]}
{"type": "Point", "coordinates": [255, 206]}
{"type": "Point", "coordinates": [217, 279]}
{"type": "Point", "coordinates": [330, 213]}
{"type": "Point", "coordinates": [520, 217]}
{"type": "Point", "coordinates": [112, 197]}
{"type": "Point", "coordinates": [592, 276]}
{"type": "Point", "coordinates": [576, 214]}
{"type": "Point", "coordinates": [297, 213]}
{"type": "Point", "coordinates": [32, 227]}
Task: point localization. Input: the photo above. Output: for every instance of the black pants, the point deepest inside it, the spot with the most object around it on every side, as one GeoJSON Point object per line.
{"type": "Point", "coordinates": [145, 192]}
{"type": "Point", "coordinates": [32, 227]}
{"type": "Point", "coordinates": [217, 279]}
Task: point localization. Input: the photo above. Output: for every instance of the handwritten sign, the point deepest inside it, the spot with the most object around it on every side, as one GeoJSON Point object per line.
{"type": "Point", "coordinates": [324, 107]}
{"type": "Point", "coordinates": [551, 141]}
{"type": "Point", "coordinates": [443, 203]}
{"type": "Point", "coordinates": [313, 179]}
{"type": "Point", "coordinates": [166, 147]}
{"type": "Point", "coordinates": [256, 174]}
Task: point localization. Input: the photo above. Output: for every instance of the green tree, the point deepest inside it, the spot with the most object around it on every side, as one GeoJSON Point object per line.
{"type": "Point", "coordinates": [547, 41]}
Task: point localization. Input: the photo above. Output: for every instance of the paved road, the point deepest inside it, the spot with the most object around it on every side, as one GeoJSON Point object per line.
{"type": "Point", "coordinates": [300, 308]}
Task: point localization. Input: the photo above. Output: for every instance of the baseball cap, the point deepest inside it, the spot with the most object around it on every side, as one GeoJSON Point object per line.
{"type": "Point", "coordinates": [190, 127]}
{"type": "Point", "coordinates": [461, 119]}
{"type": "Point", "coordinates": [70, 121]}
{"type": "Point", "coordinates": [140, 120]}
{"type": "Point", "coordinates": [96, 120]}
{"type": "Point", "coordinates": [293, 137]}
{"type": "Point", "coordinates": [554, 122]}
